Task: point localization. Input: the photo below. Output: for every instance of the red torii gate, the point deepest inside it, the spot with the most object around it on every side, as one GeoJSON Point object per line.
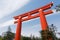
{"type": "Point", "coordinates": [40, 12]}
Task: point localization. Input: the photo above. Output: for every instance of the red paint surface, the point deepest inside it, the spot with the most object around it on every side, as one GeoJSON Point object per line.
{"type": "Point", "coordinates": [29, 16]}
{"type": "Point", "coordinates": [18, 30]}
{"type": "Point", "coordinates": [43, 20]}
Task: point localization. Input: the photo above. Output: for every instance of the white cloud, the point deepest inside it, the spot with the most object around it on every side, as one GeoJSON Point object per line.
{"type": "Point", "coordinates": [11, 22]}
{"type": "Point", "coordinates": [9, 6]}
{"type": "Point", "coordinates": [31, 31]}
{"type": "Point", "coordinates": [54, 12]}
{"type": "Point", "coordinates": [7, 23]}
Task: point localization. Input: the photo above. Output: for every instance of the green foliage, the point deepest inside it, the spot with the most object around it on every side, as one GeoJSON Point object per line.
{"type": "Point", "coordinates": [26, 38]}
{"type": "Point", "coordinates": [57, 8]}
{"type": "Point", "coordinates": [8, 35]}
{"type": "Point", "coordinates": [30, 38]}
{"type": "Point", "coordinates": [0, 38]}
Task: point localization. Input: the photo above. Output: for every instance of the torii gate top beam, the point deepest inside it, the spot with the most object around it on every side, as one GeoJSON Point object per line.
{"type": "Point", "coordinates": [29, 16]}
{"type": "Point", "coordinates": [40, 12]}
{"type": "Point", "coordinates": [48, 6]}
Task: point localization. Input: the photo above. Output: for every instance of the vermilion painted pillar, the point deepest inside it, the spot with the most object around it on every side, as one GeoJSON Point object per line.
{"type": "Point", "coordinates": [18, 30]}
{"type": "Point", "coordinates": [45, 32]}
{"type": "Point", "coordinates": [43, 20]}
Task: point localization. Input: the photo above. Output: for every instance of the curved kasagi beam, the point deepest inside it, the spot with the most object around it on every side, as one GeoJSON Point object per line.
{"type": "Point", "coordinates": [48, 6]}
{"type": "Point", "coordinates": [35, 16]}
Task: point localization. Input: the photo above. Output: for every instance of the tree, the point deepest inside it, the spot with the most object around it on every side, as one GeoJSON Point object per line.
{"type": "Point", "coordinates": [50, 33]}
{"type": "Point", "coordinates": [57, 8]}
{"type": "Point", "coordinates": [25, 38]}
{"type": "Point", "coordinates": [8, 35]}
{"type": "Point", "coordinates": [0, 38]}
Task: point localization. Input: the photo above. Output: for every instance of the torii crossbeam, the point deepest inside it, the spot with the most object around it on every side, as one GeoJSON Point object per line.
{"type": "Point", "coordinates": [40, 12]}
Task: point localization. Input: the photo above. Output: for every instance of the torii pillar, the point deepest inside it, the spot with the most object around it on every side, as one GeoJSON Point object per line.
{"type": "Point", "coordinates": [41, 14]}
{"type": "Point", "coordinates": [45, 33]}
{"type": "Point", "coordinates": [18, 30]}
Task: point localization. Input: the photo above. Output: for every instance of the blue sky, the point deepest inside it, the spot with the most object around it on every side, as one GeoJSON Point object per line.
{"type": "Point", "coordinates": [11, 8]}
